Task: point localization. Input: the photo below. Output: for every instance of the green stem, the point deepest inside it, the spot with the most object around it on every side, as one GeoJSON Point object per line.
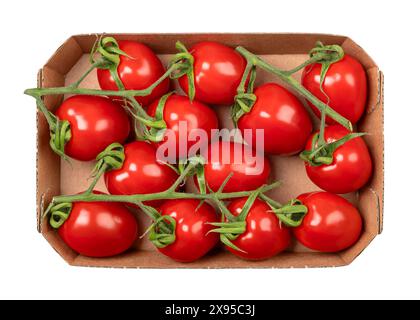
{"type": "Point", "coordinates": [287, 78]}
{"type": "Point", "coordinates": [39, 92]}
{"type": "Point", "coordinates": [225, 211]}
{"type": "Point", "coordinates": [135, 199]}
{"type": "Point", "coordinates": [141, 112]}
{"type": "Point", "coordinates": [51, 119]}
{"type": "Point", "coordinates": [83, 77]}
{"type": "Point", "coordinates": [270, 201]}
{"type": "Point", "coordinates": [153, 214]}
{"type": "Point", "coordinates": [321, 137]}
{"type": "Point", "coordinates": [182, 177]}
{"type": "Point", "coordinates": [312, 60]}
{"type": "Point", "coordinates": [248, 68]}
{"type": "Point", "coordinates": [96, 178]}
{"type": "Point", "coordinates": [150, 213]}
{"type": "Point", "coordinates": [114, 74]}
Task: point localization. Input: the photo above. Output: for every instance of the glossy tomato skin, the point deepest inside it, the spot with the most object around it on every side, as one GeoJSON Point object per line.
{"type": "Point", "coordinates": [351, 168]}
{"type": "Point", "coordinates": [192, 226]}
{"type": "Point", "coordinates": [218, 70]}
{"type": "Point", "coordinates": [250, 169]}
{"type": "Point", "coordinates": [95, 123]}
{"type": "Point", "coordinates": [332, 223]}
{"type": "Point", "coordinates": [345, 84]}
{"type": "Point", "coordinates": [99, 229]}
{"type": "Point", "coordinates": [285, 121]}
{"type": "Point", "coordinates": [141, 173]}
{"type": "Point", "coordinates": [195, 115]}
{"type": "Point", "coordinates": [265, 236]}
{"type": "Point", "coordinates": [137, 71]}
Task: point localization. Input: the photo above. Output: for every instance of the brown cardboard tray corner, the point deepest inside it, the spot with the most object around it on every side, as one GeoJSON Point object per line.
{"type": "Point", "coordinates": [284, 50]}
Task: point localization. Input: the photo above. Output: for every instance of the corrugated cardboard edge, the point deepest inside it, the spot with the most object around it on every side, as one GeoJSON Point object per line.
{"type": "Point", "coordinates": [382, 106]}
{"type": "Point", "coordinates": [55, 78]}
{"type": "Point", "coordinates": [74, 259]}
{"type": "Point", "coordinates": [39, 199]}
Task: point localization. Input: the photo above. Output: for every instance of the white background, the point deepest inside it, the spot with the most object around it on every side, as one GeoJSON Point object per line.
{"type": "Point", "coordinates": [31, 31]}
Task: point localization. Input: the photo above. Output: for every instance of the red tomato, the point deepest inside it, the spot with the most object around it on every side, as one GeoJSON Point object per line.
{"type": "Point", "coordinates": [218, 70]}
{"type": "Point", "coordinates": [192, 226]}
{"type": "Point", "coordinates": [99, 229]}
{"type": "Point", "coordinates": [195, 116]}
{"type": "Point", "coordinates": [250, 169]}
{"type": "Point", "coordinates": [137, 71]}
{"type": "Point", "coordinates": [351, 167]}
{"type": "Point", "coordinates": [285, 121]}
{"type": "Point", "coordinates": [332, 223]}
{"type": "Point", "coordinates": [95, 123]}
{"type": "Point", "coordinates": [264, 237]}
{"type": "Point", "coordinates": [141, 173]}
{"type": "Point", "coordinates": [345, 84]}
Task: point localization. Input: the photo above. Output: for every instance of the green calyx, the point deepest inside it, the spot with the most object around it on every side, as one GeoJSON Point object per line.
{"type": "Point", "coordinates": [243, 104]}
{"type": "Point", "coordinates": [292, 213]}
{"type": "Point", "coordinates": [198, 171]}
{"type": "Point", "coordinates": [158, 125]}
{"type": "Point", "coordinates": [229, 231]}
{"type": "Point", "coordinates": [245, 98]}
{"type": "Point", "coordinates": [59, 213]}
{"type": "Point", "coordinates": [326, 56]}
{"type": "Point", "coordinates": [153, 129]}
{"type": "Point", "coordinates": [236, 225]}
{"type": "Point", "coordinates": [112, 158]}
{"type": "Point", "coordinates": [162, 230]}
{"type": "Point", "coordinates": [327, 53]}
{"type": "Point", "coordinates": [60, 134]}
{"type": "Point", "coordinates": [184, 62]}
{"type": "Point", "coordinates": [110, 53]}
{"type": "Point", "coordinates": [323, 154]}
{"type": "Point", "coordinates": [162, 233]}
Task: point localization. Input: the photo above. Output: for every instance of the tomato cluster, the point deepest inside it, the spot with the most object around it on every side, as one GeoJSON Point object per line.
{"type": "Point", "coordinates": [251, 226]}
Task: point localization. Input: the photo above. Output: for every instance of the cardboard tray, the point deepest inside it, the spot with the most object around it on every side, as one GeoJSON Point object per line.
{"type": "Point", "coordinates": [56, 177]}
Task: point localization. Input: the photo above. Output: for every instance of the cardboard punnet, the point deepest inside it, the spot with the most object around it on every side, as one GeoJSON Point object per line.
{"type": "Point", "coordinates": [55, 176]}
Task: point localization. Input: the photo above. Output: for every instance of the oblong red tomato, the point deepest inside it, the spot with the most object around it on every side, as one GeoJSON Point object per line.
{"type": "Point", "coordinates": [264, 237]}
{"type": "Point", "coordinates": [141, 173]}
{"type": "Point", "coordinates": [218, 70]}
{"type": "Point", "coordinates": [186, 120]}
{"type": "Point", "coordinates": [137, 71]}
{"type": "Point", "coordinates": [99, 229]}
{"type": "Point", "coordinates": [332, 223]}
{"type": "Point", "coordinates": [193, 239]}
{"type": "Point", "coordinates": [345, 85]}
{"type": "Point", "coordinates": [250, 168]}
{"type": "Point", "coordinates": [284, 119]}
{"type": "Point", "coordinates": [95, 123]}
{"type": "Point", "coordinates": [351, 168]}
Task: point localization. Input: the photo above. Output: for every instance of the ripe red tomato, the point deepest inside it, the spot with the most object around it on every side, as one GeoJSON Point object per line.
{"type": "Point", "coordinates": [250, 169]}
{"type": "Point", "coordinates": [218, 70]}
{"type": "Point", "coordinates": [284, 119]}
{"type": "Point", "coordinates": [99, 229]}
{"type": "Point", "coordinates": [137, 71]}
{"type": "Point", "coordinates": [141, 173]}
{"type": "Point", "coordinates": [264, 237]}
{"type": "Point", "coordinates": [332, 223]}
{"type": "Point", "coordinates": [195, 115]}
{"type": "Point", "coordinates": [95, 123]}
{"type": "Point", "coordinates": [345, 84]}
{"type": "Point", "coordinates": [351, 167]}
{"type": "Point", "coordinates": [193, 239]}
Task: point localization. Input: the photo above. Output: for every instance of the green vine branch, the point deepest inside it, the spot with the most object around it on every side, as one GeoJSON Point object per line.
{"type": "Point", "coordinates": [286, 76]}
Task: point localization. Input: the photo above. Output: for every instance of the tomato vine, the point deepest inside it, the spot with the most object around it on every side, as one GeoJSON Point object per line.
{"type": "Point", "coordinates": [149, 128]}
